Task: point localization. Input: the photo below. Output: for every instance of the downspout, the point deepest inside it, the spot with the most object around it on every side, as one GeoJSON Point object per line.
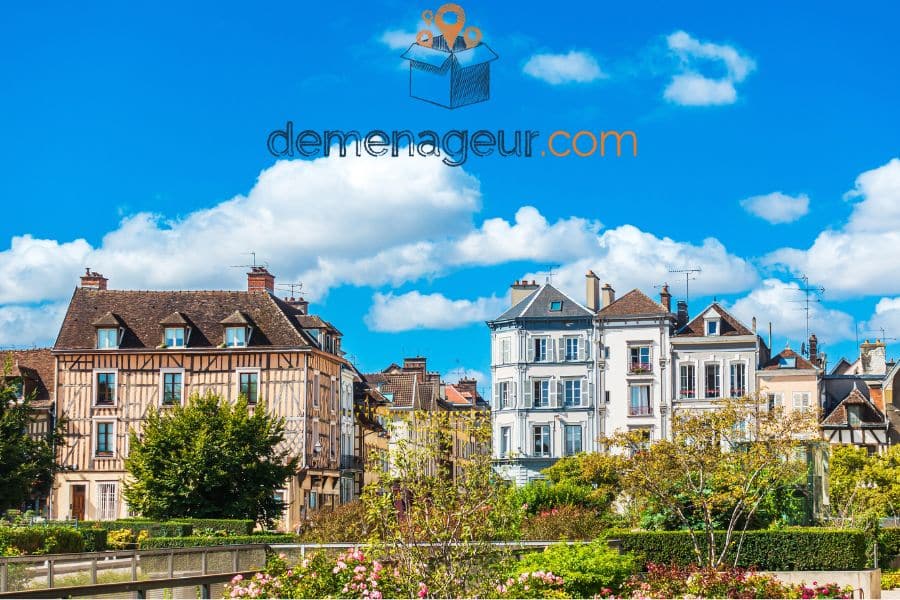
{"type": "Point", "coordinates": [53, 445]}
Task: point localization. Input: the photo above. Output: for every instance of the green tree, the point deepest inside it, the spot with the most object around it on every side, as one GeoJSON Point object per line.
{"type": "Point", "coordinates": [27, 463]}
{"type": "Point", "coordinates": [863, 487]}
{"type": "Point", "coordinates": [208, 459]}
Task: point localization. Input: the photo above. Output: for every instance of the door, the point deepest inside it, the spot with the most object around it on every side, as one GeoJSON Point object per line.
{"type": "Point", "coordinates": [77, 506]}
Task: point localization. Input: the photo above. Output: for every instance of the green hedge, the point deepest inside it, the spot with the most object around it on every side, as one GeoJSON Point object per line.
{"type": "Point", "coordinates": [94, 538]}
{"type": "Point", "coordinates": [776, 549]}
{"type": "Point", "coordinates": [888, 545]}
{"type": "Point", "coordinates": [230, 526]}
{"type": "Point", "coordinates": [154, 528]}
{"type": "Point", "coordinates": [195, 541]}
{"type": "Point", "coordinates": [42, 539]}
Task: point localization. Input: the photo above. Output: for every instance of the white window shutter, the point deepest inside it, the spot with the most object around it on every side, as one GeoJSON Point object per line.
{"type": "Point", "coordinates": [560, 349]}
{"type": "Point", "coordinates": [512, 394]}
{"type": "Point", "coordinates": [582, 349]}
{"type": "Point", "coordinates": [527, 396]}
{"type": "Point", "coordinates": [585, 399]}
{"type": "Point", "coordinates": [554, 397]}
{"type": "Point", "coordinates": [590, 393]}
{"type": "Point", "coordinates": [496, 396]}
{"type": "Point", "coordinates": [530, 352]}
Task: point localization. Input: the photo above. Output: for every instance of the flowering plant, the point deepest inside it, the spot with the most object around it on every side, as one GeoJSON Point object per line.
{"type": "Point", "coordinates": [534, 584]}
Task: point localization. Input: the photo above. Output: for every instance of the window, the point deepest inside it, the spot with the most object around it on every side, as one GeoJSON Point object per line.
{"type": "Point", "coordinates": [775, 400]}
{"type": "Point", "coordinates": [573, 439]}
{"type": "Point", "coordinates": [107, 339]}
{"type": "Point", "coordinates": [505, 351]}
{"type": "Point", "coordinates": [712, 328]}
{"type": "Point", "coordinates": [236, 337]}
{"type": "Point", "coordinates": [571, 348]}
{"type": "Point", "coordinates": [540, 349]}
{"type": "Point", "coordinates": [505, 435]}
{"type": "Point", "coordinates": [556, 306]}
{"type": "Point", "coordinates": [503, 393]}
{"type": "Point", "coordinates": [572, 392]}
{"type": "Point", "coordinates": [313, 500]}
{"type": "Point", "coordinates": [174, 337]}
{"type": "Point", "coordinates": [738, 380]}
{"type": "Point", "coordinates": [541, 393]}
{"type": "Point", "coordinates": [541, 436]}
{"type": "Point", "coordinates": [640, 359]}
{"type": "Point", "coordinates": [713, 385]}
{"type": "Point", "coordinates": [316, 390]}
{"type": "Point", "coordinates": [105, 388]}
{"type": "Point", "coordinates": [645, 437]}
{"type": "Point", "coordinates": [172, 388]}
{"type": "Point", "coordinates": [639, 405]}
{"type": "Point", "coordinates": [688, 379]}
{"type": "Point", "coordinates": [105, 438]}
{"type": "Point", "coordinates": [106, 501]}
{"type": "Point", "coordinates": [249, 386]}
{"type": "Point", "coordinates": [801, 401]}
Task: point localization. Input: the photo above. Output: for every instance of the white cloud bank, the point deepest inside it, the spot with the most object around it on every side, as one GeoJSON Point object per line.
{"type": "Point", "coordinates": [690, 87]}
{"type": "Point", "coordinates": [398, 39]}
{"type": "Point", "coordinates": [390, 313]}
{"type": "Point", "coordinates": [558, 69]}
{"type": "Point", "coordinates": [777, 207]}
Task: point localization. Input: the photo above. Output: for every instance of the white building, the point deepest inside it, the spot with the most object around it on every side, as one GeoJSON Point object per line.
{"type": "Point", "coordinates": [543, 380]}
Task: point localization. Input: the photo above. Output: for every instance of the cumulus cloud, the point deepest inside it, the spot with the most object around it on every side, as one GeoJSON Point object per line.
{"type": "Point", "coordinates": [777, 207]}
{"type": "Point", "coordinates": [398, 39]}
{"type": "Point", "coordinates": [23, 326]}
{"type": "Point", "coordinates": [690, 86]}
{"type": "Point", "coordinates": [556, 69]}
{"type": "Point", "coordinates": [856, 259]}
{"type": "Point", "coordinates": [782, 303]}
{"type": "Point", "coordinates": [413, 310]}
{"type": "Point", "coordinates": [886, 317]}
{"type": "Point", "coordinates": [455, 375]}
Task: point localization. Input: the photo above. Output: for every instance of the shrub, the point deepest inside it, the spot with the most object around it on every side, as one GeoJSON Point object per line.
{"type": "Point", "coordinates": [153, 528]}
{"type": "Point", "coordinates": [40, 539]}
{"type": "Point", "coordinates": [888, 545]}
{"type": "Point", "coordinates": [230, 526]}
{"type": "Point", "coordinates": [534, 584]}
{"type": "Point", "coordinates": [890, 579]}
{"type": "Point", "coordinates": [538, 496]}
{"type": "Point", "coordinates": [586, 569]}
{"type": "Point", "coordinates": [118, 539]}
{"type": "Point", "coordinates": [94, 538]}
{"type": "Point", "coordinates": [234, 540]}
{"type": "Point", "coordinates": [564, 523]}
{"type": "Point", "coordinates": [345, 523]}
{"type": "Point", "coordinates": [776, 550]}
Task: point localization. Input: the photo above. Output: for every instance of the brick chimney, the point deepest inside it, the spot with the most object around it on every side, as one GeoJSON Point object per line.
{"type": "Point", "coordinates": [93, 280]}
{"type": "Point", "coordinates": [260, 280]}
{"type": "Point", "coordinates": [592, 291]}
{"type": "Point", "coordinates": [609, 295]}
{"type": "Point", "coordinates": [665, 298]}
{"type": "Point", "coordinates": [300, 304]}
{"type": "Point", "coordinates": [416, 365]}
{"type": "Point", "coordinates": [520, 290]}
{"type": "Point", "coordinates": [467, 384]}
{"type": "Point", "coordinates": [681, 316]}
{"type": "Point", "coordinates": [814, 350]}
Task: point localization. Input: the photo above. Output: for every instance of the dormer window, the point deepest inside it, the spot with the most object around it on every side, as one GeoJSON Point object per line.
{"type": "Point", "coordinates": [556, 306]}
{"type": "Point", "coordinates": [107, 338]}
{"type": "Point", "coordinates": [175, 337]}
{"type": "Point", "coordinates": [176, 331]}
{"type": "Point", "coordinates": [712, 327]}
{"type": "Point", "coordinates": [236, 337]}
{"type": "Point", "coordinates": [712, 322]}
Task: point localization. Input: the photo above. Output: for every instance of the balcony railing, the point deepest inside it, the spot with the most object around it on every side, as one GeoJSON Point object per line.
{"type": "Point", "coordinates": [685, 393]}
{"type": "Point", "coordinates": [638, 368]}
{"type": "Point", "coordinates": [640, 411]}
{"type": "Point", "coordinates": [351, 462]}
{"type": "Point", "coordinates": [713, 393]}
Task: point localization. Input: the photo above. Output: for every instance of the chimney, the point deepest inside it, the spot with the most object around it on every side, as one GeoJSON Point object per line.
{"type": "Point", "coordinates": [93, 280]}
{"type": "Point", "coordinates": [592, 295]}
{"type": "Point", "coordinates": [467, 384]}
{"type": "Point", "coordinates": [665, 298]}
{"type": "Point", "coordinates": [300, 304]}
{"type": "Point", "coordinates": [520, 290]}
{"type": "Point", "coordinates": [753, 323]}
{"type": "Point", "coordinates": [416, 364]}
{"type": "Point", "coordinates": [609, 295]}
{"type": "Point", "coordinates": [260, 280]}
{"type": "Point", "coordinates": [814, 350]}
{"type": "Point", "coordinates": [681, 317]}
{"type": "Point", "coordinates": [873, 357]}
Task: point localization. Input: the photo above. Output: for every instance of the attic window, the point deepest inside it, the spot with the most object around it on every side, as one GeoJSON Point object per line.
{"type": "Point", "coordinates": [788, 363]}
{"type": "Point", "coordinates": [107, 338]}
{"type": "Point", "coordinates": [175, 337]}
{"type": "Point", "coordinates": [712, 327]}
{"type": "Point", "coordinates": [236, 337]}
{"type": "Point", "coordinates": [556, 306]}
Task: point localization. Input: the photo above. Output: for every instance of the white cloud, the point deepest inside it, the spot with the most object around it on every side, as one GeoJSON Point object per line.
{"type": "Point", "coordinates": [556, 69]}
{"type": "Point", "coordinates": [24, 326]}
{"type": "Point", "coordinates": [782, 303]}
{"type": "Point", "coordinates": [398, 39]}
{"type": "Point", "coordinates": [857, 259]}
{"type": "Point", "coordinates": [777, 207]}
{"type": "Point", "coordinates": [886, 317]}
{"type": "Point", "coordinates": [691, 87]}
{"type": "Point", "coordinates": [414, 310]}
{"type": "Point", "coordinates": [454, 375]}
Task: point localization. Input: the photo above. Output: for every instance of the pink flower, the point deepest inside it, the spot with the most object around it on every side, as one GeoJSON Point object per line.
{"type": "Point", "coordinates": [423, 590]}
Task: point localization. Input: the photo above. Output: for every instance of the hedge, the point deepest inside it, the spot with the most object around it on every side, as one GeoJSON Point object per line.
{"type": "Point", "coordinates": [888, 545]}
{"type": "Point", "coordinates": [775, 549]}
{"type": "Point", "coordinates": [230, 526]}
{"type": "Point", "coordinates": [42, 539]}
{"type": "Point", "coordinates": [154, 528]}
{"type": "Point", "coordinates": [94, 538]}
{"type": "Point", "coordinates": [235, 540]}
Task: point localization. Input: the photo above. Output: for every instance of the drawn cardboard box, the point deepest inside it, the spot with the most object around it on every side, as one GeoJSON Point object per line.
{"type": "Point", "coordinates": [450, 78]}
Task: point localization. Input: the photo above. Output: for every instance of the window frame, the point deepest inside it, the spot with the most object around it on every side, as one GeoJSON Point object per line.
{"type": "Point", "coordinates": [505, 351]}
{"type": "Point", "coordinates": [733, 369]}
{"type": "Point", "coordinates": [175, 346]}
{"type": "Point", "coordinates": [546, 440]}
{"type": "Point", "coordinates": [808, 399]}
{"type": "Point", "coordinates": [643, 409]}
{"type": "Point", "coordinates": [692, 376]}
{"type": "Point", "coordinates": [162, 387]}
{"type": "Point", "coordinates": [505, 440]}
{"type": "Point", "coordinates": [718, 377]}
{"type": "Point", "coordinates": [544, 344]}
{"type": "Point", "coordinates": [503, 393]}
{"type": "Point", "coordinates": [96, 387]}
{"type": "Point", "coordinates": [566, 439]}
{"type": "Point", "coordinates": [544, 382]}
{"type": "Point", "coordinates": [240, 373]}
{"type": "Point", "coordinates": [245, 340]}
{"type": "Point", "coordinates": [114, 506]}
{"type": "Point", "coordinates": [640, 367]}
{"type": "Point", "coordinates": [572, 343]}
{"type": "Point", "coordinates": [577, 386]}
{"type": "Point", "coordinates": [116, 332]}
{"type": "Point", "coordinates": [95, 435]}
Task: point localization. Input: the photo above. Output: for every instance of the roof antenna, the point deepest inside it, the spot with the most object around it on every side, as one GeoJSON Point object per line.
{"type": "Point", "coordinates": [293, 288]}
{"type": "Point", "coordinates": [807, 290]}
{"type": "Point", "coordinates": [688, 277]}
{"type": "Point", "coordinates": [253, 264]}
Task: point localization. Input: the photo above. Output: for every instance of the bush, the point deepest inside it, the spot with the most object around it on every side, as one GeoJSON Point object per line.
{"type": "Point", "coordinates": [94, 538]}
{"type": "Point", "coordinates": [153, 528]}
{"type": "Point", "coordinates": [888, 545]}
{"type": "Point", "coordinates": [890, 580]}
{"type": "Point", "coordinates": [776, 550]}
{"type": "Point", "coordinates": [345, 523]}
{"type": "Point", "coordinates": [586, 569]}
{"type": "Point", "coordinates": [538, 496]}
{"type": "Point", "coordinates": [40, 539]}
{"type": "Point", "coordinates": [230, 526]}
{"type": "Point", "coordinates": [234, 540]}
{"type": "Point", "coordinates": [564, 523]}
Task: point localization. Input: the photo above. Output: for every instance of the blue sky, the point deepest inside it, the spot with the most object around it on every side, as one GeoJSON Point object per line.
{"type": "Point", "coordinates": [134, 143]}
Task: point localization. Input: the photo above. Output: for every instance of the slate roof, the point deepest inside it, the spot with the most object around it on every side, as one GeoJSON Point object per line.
{"type": "Point", "coordinates": [537, 306]}
{"type": "Point", "coordinates": [730, 326]}
{"type": "Point", "coordinates": [141, 313]}
{"type": "Point", "coordinates": [776, 362]}
{"type": "Point", "coordinates": [633, 304]}
{"type": "Point", "coordinates": [869, 415]}
{"type": "Point", "coordinates": [36, 367]}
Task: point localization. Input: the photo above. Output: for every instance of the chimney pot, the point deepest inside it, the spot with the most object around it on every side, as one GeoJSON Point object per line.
{"type": "Point", "coordinates": [665, 297]}
{"type": "Point", "coordinates": [260, 280]}
{"type": "Point", "coordinates": [520, 290]}
{"type": "Point", "coordinates": [608, 294]}
{"type": "Point", "coordinates": [681, 317]}
{"type": "Point", "coordinates": [93, 280]}
{"type": "Point", "coordinates": [813, 349]}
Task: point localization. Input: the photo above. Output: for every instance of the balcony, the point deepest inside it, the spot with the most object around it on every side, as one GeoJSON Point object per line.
{"type": "Point", "coordinates": [351, 462]}
{"type": "Point", "coordinates": [640, 368]}
{"type": "Point", "coordinates": [644, 410]}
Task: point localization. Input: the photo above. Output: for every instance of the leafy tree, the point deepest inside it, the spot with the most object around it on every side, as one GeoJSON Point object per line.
{"type": "Point", "coordinates": [718, 469]}
{"type": "Point", "coordinates": [208, 459]}
{"type": "Point", "coordinates": [596, 472]}
{"type": "Point", "coordinates": [27, 463]}
{"type": "Point", "coordinates": [863, 487]}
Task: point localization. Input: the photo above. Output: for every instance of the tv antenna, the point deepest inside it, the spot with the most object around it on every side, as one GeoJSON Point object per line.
{"type": "Point", "coordinates": [811, 295]}
{"type": "Point", "coordinates": [689, 275]}
{"type": "Point", "coordinates": [548, 274]}
{"type": "Point", "coordinates": [293, 288]}
{"type": "Point", "coordinates": [253, 264]}
{"type": "Point", "coordinates": [882, 338]}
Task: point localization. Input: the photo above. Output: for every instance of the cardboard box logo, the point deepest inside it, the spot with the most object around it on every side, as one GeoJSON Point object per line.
{"type": "Point", "coordinates": [450, 70]}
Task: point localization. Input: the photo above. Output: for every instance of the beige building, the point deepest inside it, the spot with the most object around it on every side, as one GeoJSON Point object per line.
{"type": "Point", "coordinates": [790, 381]}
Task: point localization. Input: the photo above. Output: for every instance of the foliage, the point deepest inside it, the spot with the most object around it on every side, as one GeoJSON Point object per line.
{"type": "Point", "coordinates": [598, 472]}
{"type": "Point", "coordinates": [40, 539]}
{"type": "Point", "coordinates": [890, 580]}
{"type": "Point", "coordinates": [119, 539]}
{"type": "Point", "coordinates": [153, 528]}
{"type": "Point", "coordinates": [208, 459]}
{"type": "Point", "coordinates": [453, 510]}
{"type": "Point", "coordinates": [863, 487]}
{"type": "Point", "coordinates": [27, 463]}
{"type": "Point", "coordinates": [585, 568]}
{"type": "Point", "coordinates": [230, 526]}
{"type": "Point", "coordinates": [232, 540]}
{"type": "Point", "coordinates": [564, 523]}
{"type": "Point", "coordinates": [539, 496]}
{"type": "Point", "coordinates": [774, 549]}
{"type": "Point", "coordinates": [532, 584]}
{"type": "Point", "coordinates": [720, 465]}
{"type": "Point", "coordinates": [95, 538]}
{"type": "Point", "coordinates": [888, 545]}
{"type": "Point", "coordinates": [344, 523]}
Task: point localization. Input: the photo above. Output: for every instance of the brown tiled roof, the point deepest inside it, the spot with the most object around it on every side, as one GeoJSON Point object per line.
{"type": "Point", "coordinates": [108, 320]}
{"type": "Point", "coordinates": [775, 362]}
{"type": "Point", "coordinates": [730, 325]}
{"type": "Point", "coordinates": [176, 318]}
{"type": "Point", "coordinates": [633, 304]}
{"type": "Point", "coordinates": [869, 415]}
{"type": "Point", "coordinates": [141, 314]}
{"type": "Point", "coordinates": [37, 368]}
